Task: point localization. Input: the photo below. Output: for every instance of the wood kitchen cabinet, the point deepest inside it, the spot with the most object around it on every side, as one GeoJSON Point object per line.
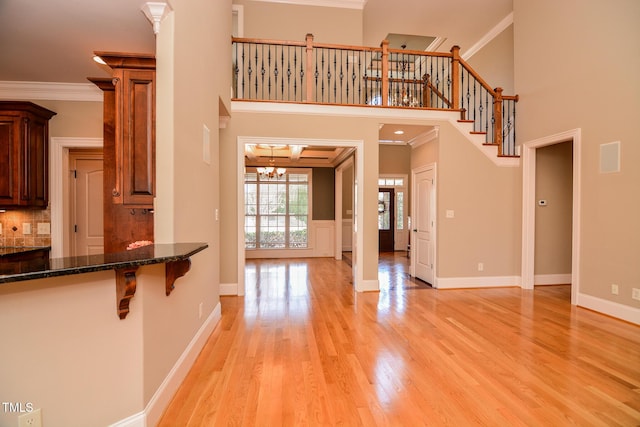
{"type": "Point", "coordinates": [133, 79]}
{"type": "Point", "coordinates": [24, 155]}
{"type": "Point", "coordinates": [128, 149]}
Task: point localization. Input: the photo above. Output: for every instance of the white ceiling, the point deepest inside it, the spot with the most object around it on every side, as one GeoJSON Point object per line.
{"type": "Point", "coordinates": [53, 40]}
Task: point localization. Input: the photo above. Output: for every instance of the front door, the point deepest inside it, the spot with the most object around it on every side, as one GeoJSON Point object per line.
{"type": "Point", "coordinates": [423, 226]}
{"type": "Point", "coordinates": [386, 220]}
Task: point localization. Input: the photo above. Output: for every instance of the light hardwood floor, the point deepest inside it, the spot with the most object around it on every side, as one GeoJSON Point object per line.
{"type": "Point", "coordinates": [301, 348]}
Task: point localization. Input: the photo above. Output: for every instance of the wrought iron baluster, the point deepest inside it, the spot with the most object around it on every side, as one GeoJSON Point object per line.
{"type": "Point", "coordinates": [342, 76]}
{"type": "Point", "coordinates": [268, 72]}
{"type": "Point", "coordinates": [289, 71]}
{"type": "Point", "coordinates": [256, 66]}
{"type": "Point", "coordinates": [295, 67]}
{"type": "Point", "coordinates": [335, 73]}
{"type": "Point", "coordinates": [235, 71]}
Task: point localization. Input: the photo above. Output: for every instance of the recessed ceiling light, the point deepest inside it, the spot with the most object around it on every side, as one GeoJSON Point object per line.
{"type": "Point", "coordinates": [399, 132]}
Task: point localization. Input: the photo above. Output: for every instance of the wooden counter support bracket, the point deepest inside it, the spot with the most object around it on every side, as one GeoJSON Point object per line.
{"type": "Point", "coordinates": [125, 289]}
{"type": "Point", "coordinates": [174, 270]}
{"type": "Point", "coordinates": [126, 282]}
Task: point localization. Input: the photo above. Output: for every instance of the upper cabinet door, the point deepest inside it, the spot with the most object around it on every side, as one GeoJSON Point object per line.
{"type": "Point", "coordinates": [138, 137]}
{"type": "Point", "coordinates": [24, 155]}
{"type": "Point", "coordinates": [134, 133]}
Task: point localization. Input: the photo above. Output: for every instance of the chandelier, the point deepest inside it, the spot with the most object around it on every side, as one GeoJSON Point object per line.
{"type": "Point", "coordinates": [271, 171]}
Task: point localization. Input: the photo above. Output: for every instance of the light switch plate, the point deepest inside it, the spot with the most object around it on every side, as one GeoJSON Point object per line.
{"type": "Point", "coordinates": [450, 213]}
{"type": "Point", "coordinates": [26, 228]}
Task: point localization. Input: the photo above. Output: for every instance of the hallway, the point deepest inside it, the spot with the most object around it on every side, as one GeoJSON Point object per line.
{"type": "Point", "coordinates": [301, 348]}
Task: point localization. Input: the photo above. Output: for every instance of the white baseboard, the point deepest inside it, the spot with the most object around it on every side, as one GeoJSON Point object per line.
{"type": "Point", "coordinates": [228, 289]}
{"type": "Point", "coordinates": [137, 420]}
{"type": "Point", "coordinates": [610, 308]}
{"type": "Point", "coordinates": [162, 397]}
{"type": "Point", "coordinates": [477, 282]}
{"type": "Point", "coordinates": [552, 279]}
{"type": "Point", "coordinates": [368, 286]}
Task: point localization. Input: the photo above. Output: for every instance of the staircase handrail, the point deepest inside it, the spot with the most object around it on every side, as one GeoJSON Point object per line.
{"type": "Point", "coordinates": [310, 72]}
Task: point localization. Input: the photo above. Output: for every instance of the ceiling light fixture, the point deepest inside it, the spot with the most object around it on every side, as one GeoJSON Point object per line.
{"type": "Point", "coordinates": [399, 132]}
{"type": "Point", "coordinates": [271, 171]}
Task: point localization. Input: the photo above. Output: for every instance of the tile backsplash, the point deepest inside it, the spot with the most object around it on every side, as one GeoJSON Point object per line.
{"type": "Point", "coordinates": [38, 220]}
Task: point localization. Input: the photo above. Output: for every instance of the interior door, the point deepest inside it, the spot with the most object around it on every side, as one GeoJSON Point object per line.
{"type": "Point", "coordinates": [386, 220]}
{"type": "Point", "coordinates": [423, 225]}
{"type": "Point", "coordinates": [87, 212]}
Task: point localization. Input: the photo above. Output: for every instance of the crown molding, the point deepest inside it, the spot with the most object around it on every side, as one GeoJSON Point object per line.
{"type": "Point", "coordinates": [50, 91]}
{"type": "Point", "coordinates": [492, 34]}
{"type": "Point", "coordinates": [424, 138]}
{"type": "Point", "coordinates": [345, 4]}
{"type": "Point", "coordinates": [155, 13]}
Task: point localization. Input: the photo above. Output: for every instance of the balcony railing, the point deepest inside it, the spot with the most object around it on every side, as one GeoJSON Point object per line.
{"type": "Point", "coordinates": [308, 72]}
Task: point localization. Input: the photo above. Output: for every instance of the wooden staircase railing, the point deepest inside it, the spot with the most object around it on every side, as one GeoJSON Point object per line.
{"type": "Point", "coordinates": [308, 72]}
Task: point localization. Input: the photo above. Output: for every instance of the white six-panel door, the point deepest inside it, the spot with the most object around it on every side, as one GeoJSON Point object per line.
{"type": "Point", "coordinates": [423, 246]}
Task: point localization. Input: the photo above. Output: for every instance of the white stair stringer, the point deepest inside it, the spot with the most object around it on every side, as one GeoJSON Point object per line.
{"type": "Point", "coordinates": [491, 151]}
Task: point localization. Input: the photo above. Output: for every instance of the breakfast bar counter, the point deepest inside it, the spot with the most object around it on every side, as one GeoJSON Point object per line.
{"type": "Point", "coordinates": [175, 256]}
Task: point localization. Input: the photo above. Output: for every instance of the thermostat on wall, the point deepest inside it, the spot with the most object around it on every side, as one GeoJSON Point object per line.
{"type": "Point", "coordinates": [542, 202]}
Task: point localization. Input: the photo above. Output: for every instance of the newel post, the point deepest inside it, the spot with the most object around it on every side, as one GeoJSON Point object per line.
{"type": "Point", "coordinates": [309, 74]}
{"type": "Point", "coordinates": [455, 77]}
{"type": "Point", "coordinates": [385, 72]}
{"type": "Point", "coordinates": [497, 119]}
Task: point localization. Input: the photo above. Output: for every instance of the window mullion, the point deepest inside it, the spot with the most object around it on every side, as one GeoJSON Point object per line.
{"type": "Point", "coordinates": [286, 213]}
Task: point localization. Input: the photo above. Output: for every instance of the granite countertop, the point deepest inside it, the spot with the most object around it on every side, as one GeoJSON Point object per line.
{"type": "Point", "coordinates": [13, 250]}
{"type": "Point", "coordinates": [152, 254]}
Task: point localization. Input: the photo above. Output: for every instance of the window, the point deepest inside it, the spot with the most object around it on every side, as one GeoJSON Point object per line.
{"type": "Point", "coordinates": [276, 210]}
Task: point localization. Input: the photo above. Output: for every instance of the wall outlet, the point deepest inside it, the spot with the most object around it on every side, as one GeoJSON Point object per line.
{"type": "Point", "coordinates": [44, 228]}
{"type": "Point", "coordinates": [635, 293]}
{"type": "Point", "coordinates": [450, 213]}
{"type": "Point", "coordinates": [26, 228]}
{"type": "Point", "coordinates": [200, 310]}
{"type": "Point", "coordinates": [31, 419]}
{"type": "Point", "coordinates": [614, 289]}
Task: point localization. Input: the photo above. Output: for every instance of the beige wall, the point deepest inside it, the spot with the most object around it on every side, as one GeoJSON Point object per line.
{"type": "Point", "coordinates": [300, 126]}
{"type": "Point", "coordinates": [576, 66]}
{"type": "Point", "coordinates": [66, 351]}
{"type": "Point", "coordinates": [191, 80]}
{"type": "Point", "coordinates": [267, 20]}
{"type": "Point", "coordinates": [486, 201]}
{"type": "Point", "coordinates": [323, 189]}
{"type": "Point", "coordinates": [74, 118]}
{"type": "Point", "coordinates": [553, 221]}
{"type": "Point", "coordinates": [494, 62]}
{"type": "Point", "coordinates": [395, 159]}
{"type": "Point", "coordinates": [348, 175]}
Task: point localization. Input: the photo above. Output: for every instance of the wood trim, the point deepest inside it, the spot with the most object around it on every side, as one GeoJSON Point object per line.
{"type": "Point", "coordinates": [125, 289]}
{"type": "Point", "coordinates": [173, 271]}
{"type": "Point", "coordinates": [144, 61]}
{"type": "Point", "coordinates": [477, 77]}
{"type": "Point", "coordinates": [268, 41]}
